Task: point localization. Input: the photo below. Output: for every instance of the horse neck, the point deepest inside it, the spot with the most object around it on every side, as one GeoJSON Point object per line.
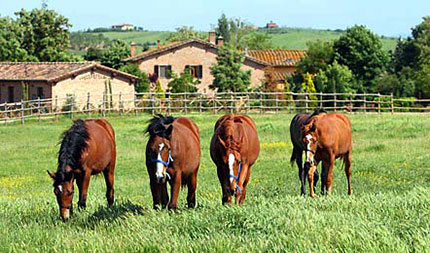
{"type": "Point", "coordinates": [229, 135]}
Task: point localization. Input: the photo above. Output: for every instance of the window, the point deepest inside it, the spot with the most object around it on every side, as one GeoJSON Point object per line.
{"type": "Point", "coordinates": [11, 94]}
{"type": "Point", "coordinates": [163, 71]}
{"type": "Point", "coordinates": [40, 92]}
{"type": "Point", "coordinates": [195, 70]}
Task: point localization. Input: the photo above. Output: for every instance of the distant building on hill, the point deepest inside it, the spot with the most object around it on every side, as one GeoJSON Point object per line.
{"type": "Point", "coordinates": [123, 27]}
{"type": "Point", "coordinates": [271, 25]}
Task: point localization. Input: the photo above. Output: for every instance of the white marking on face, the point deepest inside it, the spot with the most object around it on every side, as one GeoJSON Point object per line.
{"type": "Point", "coordinates": [160, 146]}
{"type": "Point", "coordinates": [66, 214]}
{"type": "Point", "coordinates": [60, 188]}
{"type": "Point", "coordinates": [231, 159]}
{"type": "Point", "coordinates": [308, 153]}
{"type": "Point", "coordinates": [160, 168]}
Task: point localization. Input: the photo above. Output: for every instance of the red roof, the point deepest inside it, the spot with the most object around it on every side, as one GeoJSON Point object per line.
{"type": "Point", "coordinates": [278, 57]}
{"type": "Point", "coordinates": [50, 71]}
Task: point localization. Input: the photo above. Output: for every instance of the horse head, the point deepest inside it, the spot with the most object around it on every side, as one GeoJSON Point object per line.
{"type": "Point", "coordinates": [310, 142]}
{"type": "Point", "coordinates": [63, 190]}
{"type": "Point", "coordinates": [160, 149]}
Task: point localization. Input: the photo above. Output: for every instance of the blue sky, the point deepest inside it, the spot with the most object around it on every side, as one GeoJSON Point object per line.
{"type": "Point", "coordinates": [385, 17]}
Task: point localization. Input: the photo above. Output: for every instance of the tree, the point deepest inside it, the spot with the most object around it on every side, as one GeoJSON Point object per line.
{"type": "Point", "coordinates": [185, 33]}
{"type": "Point", "coordinates": [406, 54]}
{"type": "Point", "coordinates": [44, 34]}
{"type": "Point", "coordinates": [258, 41]}
{"type": "Point", "coordinates": [309, 87]}
{"type": "Point", "coordinates": [319, 56]}
{"type": "Point", "coordinates": [112, 56]}
{"type": "Point", "coordinates": [185, 82]}
{"type": "Point", "coordinates": [93, 54]}
{"type": "Point", "coordinates": [227, 73]}
{"type": "Point", "coordinates": [423, 81]}
{"type": "Point", "coordinates": [335, 79]}
{"type": "Point", "coordinates": [133, 69]}
{"type": "Point", "coordinates": [421, 35]}
{"type": "Point", "coordinates": [361, 50]}
{"type": "Point", "coordinates": [10, 42]}
{"type": "Point", "coordinates": [223, 28]}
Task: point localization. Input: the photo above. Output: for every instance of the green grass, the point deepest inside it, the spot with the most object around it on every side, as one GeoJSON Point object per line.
{"type": "Point", "coordinates": [388, 212]}
{"type": "Point", "coordinates": [295, 38]}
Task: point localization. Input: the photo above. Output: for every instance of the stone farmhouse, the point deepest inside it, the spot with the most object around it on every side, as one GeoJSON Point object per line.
{"type": "Point", "coordinates": [32, 80]}
{"type": "Point", "coordinates": [199, 55]}
{"type": "Point", "coordinates": [123, 27]}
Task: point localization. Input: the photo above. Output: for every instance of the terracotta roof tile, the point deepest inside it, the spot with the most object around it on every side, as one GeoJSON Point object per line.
{"type": "Point", "coordinates": [278, 57]}
{"type": "Point", "coordinates": [49, 71]}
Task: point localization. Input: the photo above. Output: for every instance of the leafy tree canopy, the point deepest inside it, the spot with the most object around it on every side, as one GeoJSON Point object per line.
{"type": "Point", "coordinates": [319, 56]}
{"type": "Point", "coordinates": [113, 55]}
{"type": "Point", "coordinates": [228, 75]}
{"type": "Point", "coordinates": [185, 82]}
{"type": "Point", "coordinates": [133, 69]}
{"type": "Point", "coordinates": [185, 33]}
{"type": "Point", "coordinates": [335, 78]}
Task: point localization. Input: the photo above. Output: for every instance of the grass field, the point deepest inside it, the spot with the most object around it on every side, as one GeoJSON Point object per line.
{"type": "Point", "coordinates": [388, 212]}
{"type": "Point", "coordinates": [294, 38]}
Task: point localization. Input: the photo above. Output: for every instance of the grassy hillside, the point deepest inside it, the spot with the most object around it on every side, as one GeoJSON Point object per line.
{"type": "Point", "coordinates": [388, 212]}
{"type": "Point", "coordinates": [290, 38]}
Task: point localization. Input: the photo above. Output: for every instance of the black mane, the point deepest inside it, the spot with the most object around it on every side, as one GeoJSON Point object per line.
{"type": "Point", "coordinates": [73, 142]}
{"type": "Point", "coordinates": [157, 125]}
{"type": "Point", "coordinates": [317, 111]}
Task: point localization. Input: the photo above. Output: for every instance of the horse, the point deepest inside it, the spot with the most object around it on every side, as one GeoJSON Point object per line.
{"type": "Point", "coordinates": [327, 136]}
{"type": "Point", "coordinates": [296, 136]}
{"type": "Point", "coordinates": [173, 155]}
{"type": "Point", "coordinates": [87, 148]}
{"type": "Point", "coordinates": [234, 149]}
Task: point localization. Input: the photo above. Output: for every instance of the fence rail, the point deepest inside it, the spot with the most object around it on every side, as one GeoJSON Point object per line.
{"type": "Point", "coordinates": [239, 102]}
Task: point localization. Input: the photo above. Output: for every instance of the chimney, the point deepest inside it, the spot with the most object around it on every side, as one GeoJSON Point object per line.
{"type": "Point", "coordinates": [133, 49]}
{"type": "Point", "coordinates": [158, 44]}
{"type": "Point", "coordinates": [212, 37]}
{"type": "Point", "coordinates": [220, 41]}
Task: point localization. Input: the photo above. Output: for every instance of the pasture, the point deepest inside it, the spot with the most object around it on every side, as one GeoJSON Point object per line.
{"type": "Point", "coordinates": [388, 211]}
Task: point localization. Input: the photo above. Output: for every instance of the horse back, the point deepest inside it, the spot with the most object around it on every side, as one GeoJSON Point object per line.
{"type": "Point", "coordinates": [186, 144]}
{"type": "Point", "coordinates": [335, 132]}
{"type": "Point", "coordinates": [296, 129]}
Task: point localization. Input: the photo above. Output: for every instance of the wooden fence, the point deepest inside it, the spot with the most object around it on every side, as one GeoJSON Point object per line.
{"type": "Point", "coordinates": [184, 103]}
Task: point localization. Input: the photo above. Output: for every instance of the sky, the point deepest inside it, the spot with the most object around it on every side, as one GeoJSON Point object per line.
{"type": "Point", "coordinates": [384, 17]}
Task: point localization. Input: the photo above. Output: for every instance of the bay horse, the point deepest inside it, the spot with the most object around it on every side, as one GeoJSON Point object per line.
{"type": "Point", "coordinates": [296, 136]}
{"type": "Point", "coordinates": [327, 136]}
{"type": "Point", "coordinates": [234, 149]}
{"type": "Point", "coordinates": [87, 148]}
{"type": "Point", "coordinates": [173, 155]}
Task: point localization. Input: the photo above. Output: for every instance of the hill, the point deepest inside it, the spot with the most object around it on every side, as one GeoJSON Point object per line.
{"type": "Point", "coordinates": [288, 38]}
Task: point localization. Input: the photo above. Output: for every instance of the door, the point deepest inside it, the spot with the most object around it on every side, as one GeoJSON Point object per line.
{"type": "Point", "coordinates": [11, 94]}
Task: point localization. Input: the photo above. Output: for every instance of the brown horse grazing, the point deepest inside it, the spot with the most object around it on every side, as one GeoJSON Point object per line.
{"type": "Point", "coordinates": [327, 136]}
{"type": "Point", "coordinates": [172, 154]}
{"type": "Point", "coordinates": [87, 148]}
{"type": "Point", "coordinates": [298, 146]}
{"type": "Point", "coordinates": [234, 149]}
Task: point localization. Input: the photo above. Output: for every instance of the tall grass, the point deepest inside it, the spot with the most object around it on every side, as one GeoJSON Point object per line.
{"type": "Point", "coordinates": [389, 210]}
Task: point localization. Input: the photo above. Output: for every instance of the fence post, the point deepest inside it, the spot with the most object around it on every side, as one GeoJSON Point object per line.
{"type": "Point", "coordinates": [321, 103]}
{"type": "Point", "coordinates": [214, 102]}
{"type": "Point", "coordinates": [351, 102]}
{"type": "Point", "coordinates": [185, 103]}
{"type": "Point", "coordinates": [38, 108]}
{"type": "Point", "coordinates": [277, 102]}
{"type": "Point", "coordinates": [364, 101]}
{"type": "Point", "coordinates": [22, 111]}
{"type": "Point", "coordinates": [335, 102]}
{"type": "Point", "coordinates": [72, 105]}
{"type": "Point", "coordinates": [104, 105]}
{"type": "Point", "coordinates": [152, 103]}
{"type": "Point", "coordinates": [56, 108]}
{"type": "Point", "coordinates": [261, 102]}
{"type": "Point", "coordinates": [379, 103]}
{"type": "Point", "coordinates": [392, 103]}
{"type": "Point", "coordinates": [306, 103]}
{"type": "Point", "coordinates": [200, 96]}
{"type": "Point", "coordinates": [120, 103]}
{"type": "Point", "coordinates": [88, 104]}
{"type": "Point", "coordinates": [231, 102]}
{"type": "Point", "coordinates": [168, 104]}
{"type": "Point", "coordinates": [134, 104]}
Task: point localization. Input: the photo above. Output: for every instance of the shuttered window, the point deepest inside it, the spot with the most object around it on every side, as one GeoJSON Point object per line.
{"type": "Point", "coordinates": [195, 70]}
{"type": "Point", "coordinates": [163, 71]}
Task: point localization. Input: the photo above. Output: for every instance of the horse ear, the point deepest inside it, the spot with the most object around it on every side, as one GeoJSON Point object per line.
{"type": "Point", "coordinates": [221, 141]}
{"type": "Point", "coordinates": [51, 174]}
{"type": "Point", "coordinates": [169, 131]}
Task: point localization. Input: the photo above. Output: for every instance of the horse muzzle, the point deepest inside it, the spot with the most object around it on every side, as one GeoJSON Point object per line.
{"type": "Point", "coordinates": [162, 178]}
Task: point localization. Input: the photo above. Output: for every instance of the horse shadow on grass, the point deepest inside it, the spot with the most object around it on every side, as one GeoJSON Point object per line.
{"type": "Point", "coordinates": [116, 211]}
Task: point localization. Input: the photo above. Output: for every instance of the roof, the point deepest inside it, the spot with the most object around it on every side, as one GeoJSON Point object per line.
{"type": "Point", "coordinates": [173, 45]}
{"type": "Point", "coordinates": [278, 57]}
{"type": "Point", "coordinates": [51, 71]}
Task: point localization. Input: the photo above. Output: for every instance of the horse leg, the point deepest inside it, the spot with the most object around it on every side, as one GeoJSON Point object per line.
{"type": "Point", "coordinates": [109, 179]}
{"type": "Point", "coordinates": [79, 181]}
{"type": "Point", "coordinates": [225, 186]}
{"type": "Point", "coordinates": [302, 176]}
{"type": "Point", "coordinates": [192, 185]}
{"type": "Point", "coordinates": [330, 174]}
{"type": "Point", "coordinates": [316, 176]}
{"type": "Point", "coordinates": [175, 187]}
{"type": "Point", "coordinates": [243, 196]}
{"type": "Point", "coordinates": [85, 184]}
{"type": "Point", "coordinates": [324, 172]}
{"type": "Point", "coordinates": [311, 172]}
{"type": "Point", "coordinates": [163, 194]}
{"type": "Point", "coordinates": [348, 170]}
{"type": "Point", "coordinates": [155, 190]}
